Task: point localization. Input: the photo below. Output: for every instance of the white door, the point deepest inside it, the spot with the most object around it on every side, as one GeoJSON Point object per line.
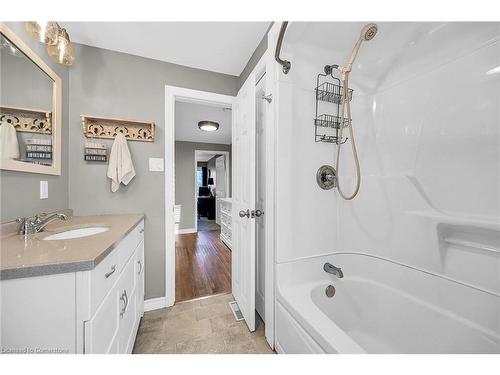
{"type": "Point", "coordinates": [260, 197]}
{"type": "Point", "coordinates": [243, 237]}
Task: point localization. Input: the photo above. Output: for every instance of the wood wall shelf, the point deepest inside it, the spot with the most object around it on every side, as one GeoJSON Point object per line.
{"type": "Point", "coordinates": [27, 119]}
{"type": "Point", "coordinates": [108, 128]}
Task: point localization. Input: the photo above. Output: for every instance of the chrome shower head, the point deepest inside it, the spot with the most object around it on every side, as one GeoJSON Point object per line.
{"type": "Point", "coordinates": [369, 31]}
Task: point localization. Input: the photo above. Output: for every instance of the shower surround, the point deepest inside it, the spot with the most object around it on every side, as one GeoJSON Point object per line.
{"type": "Point", "coordinates": [426, 116]}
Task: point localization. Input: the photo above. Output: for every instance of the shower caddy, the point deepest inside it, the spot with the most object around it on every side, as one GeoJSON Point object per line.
{"type": "Point", "coordinates": [327, 125]}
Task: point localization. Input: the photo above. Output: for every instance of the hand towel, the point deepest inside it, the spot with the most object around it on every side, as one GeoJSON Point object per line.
{"type": "Point", "coordinates": [120, 168]}
{"type": "Point", "coordinates": [9, 147]}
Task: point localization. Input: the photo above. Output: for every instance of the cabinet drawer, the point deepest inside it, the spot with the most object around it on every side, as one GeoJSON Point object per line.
{"type": "Point", "coordinates": [139, 274]}
{"type": "Point", "coordinates": [104, 276]}
{"type": "Point", "coordinates": [102, 279]}
{"type": "Point", "coordinates": [139, 229]}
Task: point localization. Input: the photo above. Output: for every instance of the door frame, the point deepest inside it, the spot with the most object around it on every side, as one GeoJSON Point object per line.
{"type": "Point", "coordinates": [267, 65]}
{"type": "Point", "coordinates": [173, 94]}
{"type": "Point", "coordinates": [228, 175]}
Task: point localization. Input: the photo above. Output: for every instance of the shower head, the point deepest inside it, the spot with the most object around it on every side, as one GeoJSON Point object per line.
{"type": "Point", "coordinates": [369, 31]}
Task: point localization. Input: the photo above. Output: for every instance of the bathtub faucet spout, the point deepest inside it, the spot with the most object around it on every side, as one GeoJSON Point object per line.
{"type": "Point", "coordinates": [330, 268]}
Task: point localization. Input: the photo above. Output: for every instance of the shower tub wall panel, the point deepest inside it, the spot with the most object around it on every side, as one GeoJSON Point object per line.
{"type": "Point", "coordinates": [437, 143]}
{"type": "Point", "coordinates": [426, 119]}
{"type": "Point", "coordinates": [305, 221]}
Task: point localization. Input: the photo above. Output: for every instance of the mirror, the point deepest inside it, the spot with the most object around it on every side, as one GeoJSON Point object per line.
{"type": "Point", "coordinates": [30, 109]}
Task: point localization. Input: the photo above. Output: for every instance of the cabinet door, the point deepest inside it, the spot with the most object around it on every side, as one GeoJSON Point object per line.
{"type": "Point", "coordinates": [128, 314]}
{"type": "Point", "coordinates": [139, 265]}
{"type": "Point", "coordinates": [101, 332]}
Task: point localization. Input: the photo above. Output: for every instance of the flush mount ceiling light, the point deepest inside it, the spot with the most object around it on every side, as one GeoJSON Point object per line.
{"type": "Point", "coordinates": [59, 47]}
{"type": "Point", "coordinates": [208, 126]}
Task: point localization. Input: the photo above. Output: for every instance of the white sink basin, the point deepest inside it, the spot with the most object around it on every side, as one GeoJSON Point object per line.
{"type": "Point", "coordinates": [76, 233]}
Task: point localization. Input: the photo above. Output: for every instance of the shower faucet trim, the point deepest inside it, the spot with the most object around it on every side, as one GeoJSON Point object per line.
{"type": "Point", "coordinates": [330, 268]}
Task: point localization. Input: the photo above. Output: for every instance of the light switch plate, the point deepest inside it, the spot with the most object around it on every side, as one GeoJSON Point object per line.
{"type": "Point", "coordinates": [156, 164]}
{"type": "Point", "coordinates": [44, 189]}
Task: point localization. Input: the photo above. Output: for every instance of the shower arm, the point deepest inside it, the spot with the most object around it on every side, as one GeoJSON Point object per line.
{"type": "Point", "coordinates": [284, 63]}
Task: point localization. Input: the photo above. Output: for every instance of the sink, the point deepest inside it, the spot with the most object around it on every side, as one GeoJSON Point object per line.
{"type": "Point", "coordinates": [76, 233]}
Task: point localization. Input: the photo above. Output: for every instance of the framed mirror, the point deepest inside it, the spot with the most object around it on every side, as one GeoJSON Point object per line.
{"type": "Point", "coordinates": [30, 109]}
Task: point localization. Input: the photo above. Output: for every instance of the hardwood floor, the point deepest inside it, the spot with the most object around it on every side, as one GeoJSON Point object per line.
{"type": "Point", "coordinates": [202, 265]}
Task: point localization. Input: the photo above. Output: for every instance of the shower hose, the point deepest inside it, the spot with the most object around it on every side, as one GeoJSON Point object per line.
{"type": "Point", "coordinates": [346, 110]}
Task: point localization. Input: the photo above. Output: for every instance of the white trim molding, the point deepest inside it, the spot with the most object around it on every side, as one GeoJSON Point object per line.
{"type": "Point", "coordinates": [185, 231]}
{"type": "Point", "coordinates": [155, 303]}
{"type": "Point", "coordinates": [173, 94]}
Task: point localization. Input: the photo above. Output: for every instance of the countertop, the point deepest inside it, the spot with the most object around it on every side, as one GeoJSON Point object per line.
{"type": "Point", "coordinates": [32, 256]}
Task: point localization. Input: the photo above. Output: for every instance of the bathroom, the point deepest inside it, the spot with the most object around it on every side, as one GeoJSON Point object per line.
{"type": "Point", "coordinates": [361, 215]}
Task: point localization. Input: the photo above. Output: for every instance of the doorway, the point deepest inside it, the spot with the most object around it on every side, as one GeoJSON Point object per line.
{"type": "Point", "coordinates": [202, 259]}
{"type": "Point", "coordinates": [212, 184]}
{"type": "Point", "coordinates": [244, 163]}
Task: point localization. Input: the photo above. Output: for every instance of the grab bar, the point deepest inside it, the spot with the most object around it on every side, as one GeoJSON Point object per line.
{"type": "Point", "coordinates": [284, 63]}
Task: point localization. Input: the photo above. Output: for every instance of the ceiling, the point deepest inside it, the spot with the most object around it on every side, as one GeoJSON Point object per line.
{"type": "Point", "coordinates": [187, 116]}
{"type": "Point", "coordinates": [223, 47]}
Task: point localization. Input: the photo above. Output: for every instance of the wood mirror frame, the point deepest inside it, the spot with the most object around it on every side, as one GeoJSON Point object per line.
{"type": "Point", "coordinates": [20, 166]}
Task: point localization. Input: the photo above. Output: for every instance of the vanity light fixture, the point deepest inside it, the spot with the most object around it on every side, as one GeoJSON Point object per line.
{"type": "Point", "coordinates": [208, 126]}
{"type": "Point", "coordinates": [43, 31]}
{"type": "Point", "coordinates": [59, 46]}
{"type": "Point", "coordinates": [63, 51]}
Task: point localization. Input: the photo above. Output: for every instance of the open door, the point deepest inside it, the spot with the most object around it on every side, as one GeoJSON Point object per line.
{"type": "Point", "coordinates": [243, 221]}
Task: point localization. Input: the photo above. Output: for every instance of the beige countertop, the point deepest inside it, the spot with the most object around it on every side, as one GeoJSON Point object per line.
{"type": "Point", "coordinates": [32, 256]}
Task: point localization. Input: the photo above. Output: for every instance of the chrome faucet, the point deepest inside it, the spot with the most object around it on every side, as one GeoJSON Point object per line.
{"type": "Point", "coordinates": [330, 268]}
{"type": "Point", "coordinates": [32, 225]}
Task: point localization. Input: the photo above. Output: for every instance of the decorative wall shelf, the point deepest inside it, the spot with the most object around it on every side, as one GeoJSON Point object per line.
{"type": "Point", "coordinates": [108, 128]}
{"type": "Point", "coordinates": [27, 119]}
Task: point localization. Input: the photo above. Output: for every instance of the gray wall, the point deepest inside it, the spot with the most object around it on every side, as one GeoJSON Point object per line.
{"type": "Point", "coordinates": [107, 83]}
{"type": "Point", "coordinates": [20, 191]}
{"type": "Point", "coordinates": [184, 177]}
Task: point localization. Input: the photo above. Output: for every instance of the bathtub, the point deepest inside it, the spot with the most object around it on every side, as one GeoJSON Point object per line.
{"type": "Point", "coordinates": [381, 306]}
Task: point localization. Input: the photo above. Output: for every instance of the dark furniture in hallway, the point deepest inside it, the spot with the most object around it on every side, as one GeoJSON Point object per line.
{"type": "Point", "coordinates": [206, 203]}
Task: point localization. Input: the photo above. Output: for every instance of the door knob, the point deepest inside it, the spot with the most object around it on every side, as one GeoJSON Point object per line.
{"type": "Point", "coordinates": [258, 213]}
{"type": "Point", "coordinates": [244, 213]}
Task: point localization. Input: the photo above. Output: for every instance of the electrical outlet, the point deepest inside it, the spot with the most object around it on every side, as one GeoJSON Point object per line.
{"type": "Point", "coordinates": [44, 189]}
{"type": "Point", "coordinates": [156, 164]}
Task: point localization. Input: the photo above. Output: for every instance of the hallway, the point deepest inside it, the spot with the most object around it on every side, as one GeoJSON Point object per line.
{"type": "Point", "coordinates": [202, 265]}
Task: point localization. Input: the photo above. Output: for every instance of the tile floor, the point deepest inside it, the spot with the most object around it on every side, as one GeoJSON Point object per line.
{"type": "Point", "coordinates": [203, 326]}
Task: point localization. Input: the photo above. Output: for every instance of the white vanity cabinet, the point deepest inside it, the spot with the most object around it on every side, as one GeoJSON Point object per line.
{"type": "Point", "coordinates": [94, 311]}
{"type": "Point", "coordinates": [226, 232]}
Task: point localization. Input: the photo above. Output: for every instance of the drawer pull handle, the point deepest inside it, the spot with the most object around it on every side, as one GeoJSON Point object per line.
{"type": "Point", "coordinates": [124, 298]}
{"type": "Point", "coordinates": [142, 230]}
{"type": "Point", "coordinates": [140, 267]}
{"type": "Point", "coordinates": [108, 274]}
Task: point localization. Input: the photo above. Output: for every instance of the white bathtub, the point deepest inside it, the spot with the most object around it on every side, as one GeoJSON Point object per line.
{"type": "Point", "coordinates": [381, 307]}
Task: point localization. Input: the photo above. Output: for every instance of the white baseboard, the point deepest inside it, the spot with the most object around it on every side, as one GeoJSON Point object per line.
{"type": "Point", "coordinates": [155, 303]}
{"type": "Point", "coordinates": [185, 231]}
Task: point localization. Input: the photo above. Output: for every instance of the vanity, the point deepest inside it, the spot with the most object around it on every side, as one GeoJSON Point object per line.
{"type": "Point", "coordinates": [76, 287]}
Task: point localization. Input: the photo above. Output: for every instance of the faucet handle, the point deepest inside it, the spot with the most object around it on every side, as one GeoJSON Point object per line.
{"type": "Point", "coordinates": [26, 226]}
{"type": "Point", "coordinates": [38, 217]}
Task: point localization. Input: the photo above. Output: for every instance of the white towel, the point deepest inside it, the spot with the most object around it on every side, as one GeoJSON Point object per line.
{"type": "Point", "coordinates": [9, 147]}
{"type": "Point", "coordinates": [120, 168]}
